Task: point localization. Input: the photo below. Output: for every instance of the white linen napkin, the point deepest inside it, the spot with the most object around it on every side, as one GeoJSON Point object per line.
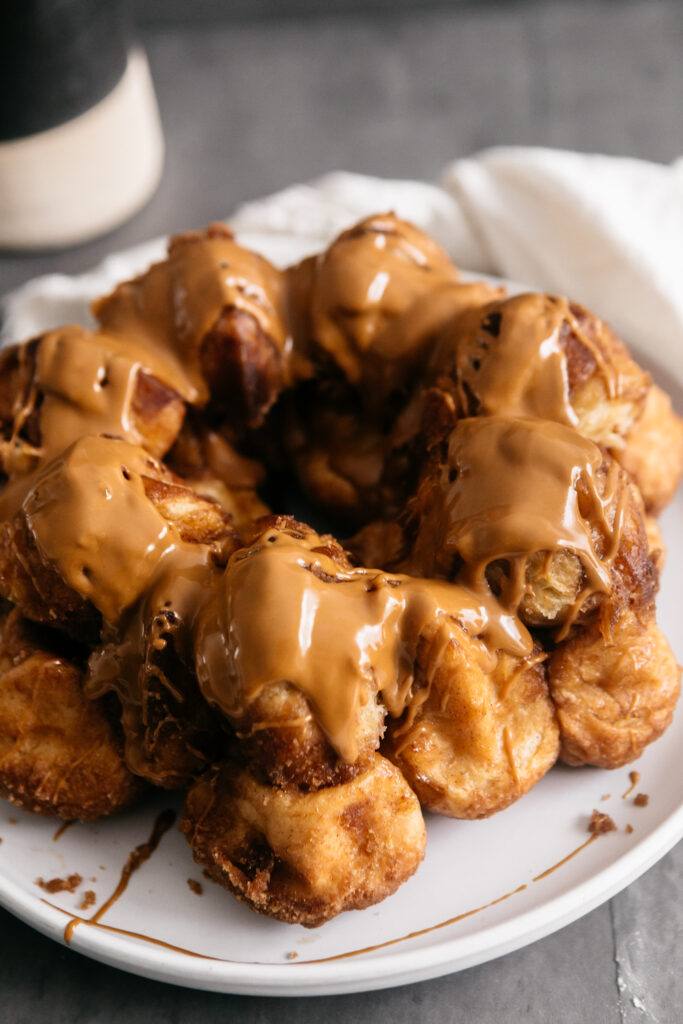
{"type": "Point", "coordinates": [606, 231]}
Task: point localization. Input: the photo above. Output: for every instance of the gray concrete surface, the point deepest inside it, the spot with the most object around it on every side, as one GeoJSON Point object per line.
{"type": "Point", "coordinates": [250, 106]}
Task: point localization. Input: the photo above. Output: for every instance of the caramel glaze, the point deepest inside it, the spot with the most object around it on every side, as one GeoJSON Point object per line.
{"type": "Point", "coordinates": [372, 273]}
{"type": "Point", "coordinates": [634, 779]}
{"type": "Point", "coordinates": [530, 355]}
{"type": "Point", "coordinates": [84, 383]}
{"type": "Point", "coordinates": [527, 373]}
{"type": "Point", "coordinates": [90, 517]}
{"type": "Point", "coordinates": [219, 310]}
{"type": "Point", "coordinates": [96, 922]}
{"type": "Point", "coordinates": [164, 327]}
{"type": "Point", "coordinates": [509, 489]}
{"type": "Point", "coordinates": [284, 610]}
{"type": "Point", "coordinates": [136, 859]}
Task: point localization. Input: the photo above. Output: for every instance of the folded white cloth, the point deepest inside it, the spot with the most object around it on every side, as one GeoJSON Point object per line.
{"type": "Point", "coordinates": [605, 231]}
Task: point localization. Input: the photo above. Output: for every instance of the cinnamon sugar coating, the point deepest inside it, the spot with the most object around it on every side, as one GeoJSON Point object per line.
{"type": "Point", "coordinates": [61, 754]}
{"type": "Point", "coordinates": [306, 857]}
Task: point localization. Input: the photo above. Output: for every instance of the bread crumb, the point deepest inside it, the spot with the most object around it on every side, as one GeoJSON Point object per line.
{"type": "Point", "coordinates": [292, 956]}
{"type": "Point", "coordinates": [605, 796]}
{"type": "Point", "coordinates": [88, 899]}
{"type": "Point", "coordinates": [69, 884]}
{"type": "Point", "coordinates": [629, 829]}
{"type": "Point", "coordinates": [601, 823]}
{"type": "Point", "coordinates": [641, 800]}
{"type": "Point", "coordinates": [196, 887]}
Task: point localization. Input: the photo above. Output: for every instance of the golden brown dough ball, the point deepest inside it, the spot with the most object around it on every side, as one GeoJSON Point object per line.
{"type": "Point", "coordinates": [534, 511]}
{"type": "Point", "coordinates": [305, 857]}
{"type": "Point", "coordinates": [268, 657]}
{"type": "Point", "coordinates": [615, 687]}
{"type": "Point", "coordinates": [653, 453]}
{"type": "Point", "coordinates": [483, 730]}
{"type": "Point", "coordinates": [60, 754]}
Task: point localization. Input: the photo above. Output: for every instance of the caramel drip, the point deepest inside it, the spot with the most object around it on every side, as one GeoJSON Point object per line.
{"type": "Point", "coordinates": [634, 779]}
{"type": "Point", "coordinates": [96, 922]}
{"type": "Point", "coordinates": [136, 859]}
{"type": "Point", "coordinates": [180, 586]}
{"type": "Point", "coordinates": [62, 829]}
{"type": "Point", "coordinates": [284, 612]}
{"type": "Point", "coordinates": [420, 932]}
{"type": "Point", "coordinates": [512, 362]}
{"type": "Point", "coordinates": [565, 860]}
{"type": "Point", "coordinates": [370, 275]}
{"type": "Point", "coordinates": [91, 518]}
{"type": "Point", "coordinates": [509, 489]}
{"type": "Point", "coordinates": [511, 359]}
{"type": "Point", "coordinates": [212, 273]}
{"type": "Point", "coordinates": [142, 312]}
{"type": "Point", "coordinates": [86, 382]}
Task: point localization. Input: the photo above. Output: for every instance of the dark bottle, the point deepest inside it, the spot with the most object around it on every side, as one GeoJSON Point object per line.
{"type": "Point", "coordinates": [80, 138]}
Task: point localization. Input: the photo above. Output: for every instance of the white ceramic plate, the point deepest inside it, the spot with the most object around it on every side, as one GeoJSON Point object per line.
{"type": "Point", "coordinates": [484, 889]}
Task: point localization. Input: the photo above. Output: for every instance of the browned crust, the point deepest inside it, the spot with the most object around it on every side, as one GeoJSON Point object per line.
{"type": "Point", "coordinates": [481, 738]}
{"type": "Point", "coordinates": [37, 589]}
{"type": "Point", "coordinates": [60, 754]}
{"type": "Point", "coordinates": [171, 734]}
{"type": "Point", "coordinates": [615, 687]}
{"type": "Point", "coordinates": [243, 367]}
{"type": "Point", "coordinates": [157, 411]}
{"type": "Point", "coordinates": [304, 858]}
{"type": "Point", "coordinates": [198, 519]}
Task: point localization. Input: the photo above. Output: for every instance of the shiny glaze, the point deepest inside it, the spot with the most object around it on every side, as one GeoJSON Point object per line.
{"type": "Point", "coordinates": [522, 356]}
{"type": "Point", "coordinates": [285, 610]}
{"type": "Point", "coordinates": [526, 371]}
{"type": "Point", "coordinates": [210, 273]}
{"type": "Point", "coordinates": [85, 381]}
{"type": "Point", "coordinates": [372, 273]}
{"type": "Point", "coordinates": [510, 488]}
{"type": "Point", "coordinates": [91, 519]}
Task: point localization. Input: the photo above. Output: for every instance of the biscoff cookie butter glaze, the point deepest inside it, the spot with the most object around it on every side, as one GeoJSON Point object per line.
{"type": "Point", "coordinates": [90, 515]}
{"type": "Point", "coordinates": [376, 271]}
{"type": "Point", "coordinates": [285, 611]}
{"type": "Point", "coordinates": [540, 356]}
{"type": "Point", "coordinates": [204, 624]}
{"type": "Point", "coordinates": [510, 488]}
